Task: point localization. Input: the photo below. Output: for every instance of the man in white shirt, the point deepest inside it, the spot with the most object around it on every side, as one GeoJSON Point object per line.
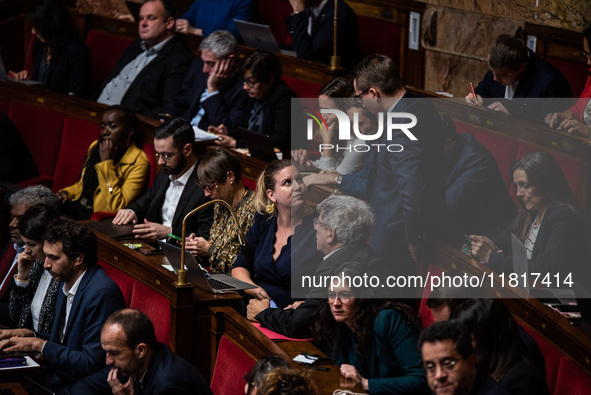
{"type": "Point", "coordinates": [85, 300]}
{"type": "Point", "coordinates": [175, 192]}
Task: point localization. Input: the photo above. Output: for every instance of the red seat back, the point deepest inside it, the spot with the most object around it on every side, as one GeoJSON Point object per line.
{"type": "Point", "coordinates": [76, 138]}
{"type": "Point", "coordinates": [124, 281]}
{"type": "Point", "coordinates": [41, 130]}
{"type": "Point", "coordinates": [156, 306]}
{"type": "Point", "coordinates": [377, 36]}
{"type": "Point", "coordinates": [571, 379]}
{"type": "Point", "coordinates": [302, 88]}
{"type": "Point", "coordinates": [231, 364]}
{"type": "Point", "coordinates": [552, 358]}
{"type": "Point", "coordinates": [148, 148]}
{"type": "Point", "coordinates": [576, 73]}
{"type": "Point", "coordinates": [273, 13]}
{"type": "Point", "coordinates": [105, 50]}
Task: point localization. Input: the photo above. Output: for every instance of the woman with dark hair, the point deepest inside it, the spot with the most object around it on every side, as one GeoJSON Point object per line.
{"type": "Point", "coordinates": [500, 352]}
{"type": "Point", "coordinates": [115, 169]}
{"type": "Point", "coordinates": [256, 378]}
{"type": "Point", "coordinates": [549, 224]}
{"type": "Point", "coordinates": [268, 107]}
{"type": "Point", "coordinates": [220, 175]}
{"type": "Point", "coordinates": [280, 221]}
{"type": "Point", "coordinates": [577, 119]}
{"type": "Point", "coordinates": [286, 381]}
{"type": "Point", "coordinates": [32, 299]}
{"type": "Point", "coordinates": [374, 340]}
{"type": "Point", "coordinates": [60, 60]}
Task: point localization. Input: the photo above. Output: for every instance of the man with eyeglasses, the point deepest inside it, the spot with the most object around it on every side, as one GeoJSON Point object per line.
{"type": "Point", "coordinates": [175, 192]}
{"type": "Point", "coordinates": [212, 92]}
{"type": "Point", "coordinates": [450, 362]}
{"type": "Point", "coordinates": [517, 72]}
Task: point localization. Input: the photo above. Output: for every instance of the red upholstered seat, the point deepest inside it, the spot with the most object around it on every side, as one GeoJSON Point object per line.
{"type": "Point", "coordinates": [76, 138]}
{"type": "Point", "coordinates": [571, 379]}
{"type": "Point", "coordinates": [100, 215]}
{"type": "Point", "coordinates": [42, 134]}
{"type": "Point", "coordinates": [576, 73]}
{"type": "Point", "coordinates": [105, 50]}
{"type": "Point", "coordinates": [5, 262]}
{"type": "Point", "coordinates": [156, 306]}
{"type": "Point", "coordinates": [377, 36]}
{"type": "Point", "coordinates": [4, 106]}
{"type": "Point", "coordinates": [273, 13]}
{"type": "Point", "coordinates": [425, 313]}
{"type": "Point", "coordinates": [250, 184]}
{"type": "Point", "coordinates": [302, 88]}
{"type": "Point", "coordinates": [148, 148]}
{"type": "Point", "coordinates": [552, 358]}
{"type": "Point", "coordinates": [124, 281]}
{"type": "Point", "coordinates": [29, 58]}
{"type": "Point", "coordinates": [231, 364]}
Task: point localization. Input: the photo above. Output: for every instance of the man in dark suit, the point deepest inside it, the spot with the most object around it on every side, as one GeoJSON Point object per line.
{"type": "Point", "coordinates": [342, 227]}
{"type": "Point", "coordinates": [212, 91]}
{"type": "Point", "coordinates": [175, 191]}
{"type": "Point", "coordinates": [311, 27]}
{"type": "Point", "coordinates": [476, 198]}
{"type": "Point", "coordinates": [137, 361]}
{"type": "Point", "coordinates": [450, 362]}
{"type": "Point", "coordinates": [151, 71]}
{"type": "Point", "coordinates": [73, 349]}
{"type": "Point", "coordinates": [517, 73]}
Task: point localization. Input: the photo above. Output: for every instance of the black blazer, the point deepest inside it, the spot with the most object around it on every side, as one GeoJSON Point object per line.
{"type": "Point", "coordinates": [153, 90]}
{"type": "Point", "coordinates": [68, 71]}
{"type": "Point", "coordinates": [319, 46]}
{"type": "Point", "coordinates": [225, 107]}
{"type": "Point", "coordinates": [150, 206]}
{"type": "Point", "coordinates": [276, 116]}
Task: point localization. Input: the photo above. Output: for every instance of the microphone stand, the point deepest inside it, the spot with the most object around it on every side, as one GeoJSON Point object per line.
{"type": "Point", "coordinates": [335, 60]}
{"type": "Point", "coordinates": [182, 275]}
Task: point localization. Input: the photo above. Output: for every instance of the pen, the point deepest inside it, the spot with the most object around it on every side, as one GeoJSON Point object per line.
{"type": "Point", "coordinates": [473, 91]}
{"type": "Point", "coordinates": [175, 237]}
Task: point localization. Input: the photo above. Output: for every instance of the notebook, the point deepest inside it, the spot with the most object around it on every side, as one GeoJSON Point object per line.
{"type": "Point", "coordinates": [199, 277]}
{"type": "Point", "coordinates": [259, 145]}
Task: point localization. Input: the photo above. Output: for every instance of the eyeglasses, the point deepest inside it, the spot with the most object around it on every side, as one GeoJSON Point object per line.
{"type": "Point", "coordinates": [585, 55]}
{"type": "Point", "coordinates": [317, 222]}
{"type": "Point", "coordinates": [209, 189]}
{"type": "Point", "coordinates": [360, 96]}
{"type": "Point", "coordinates": [344, 297]}
{"type": "Point", "coordinates": [165, 155]}
{"type": "Point", "coordinates": [249, 81]}
{"type": "Point", "coordinates": [447, 365]}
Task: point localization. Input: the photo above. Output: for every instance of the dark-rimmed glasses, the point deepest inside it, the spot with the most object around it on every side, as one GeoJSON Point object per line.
{"type": "Point", "coordinates": [447, 365]}
{"type": "Point", "coordinates": [165, 155]}
{"type": "Point", "coordinates": [360, 96]}
{"type": "Point", "coordinates": [345, 297]}
{"type": "Point", "coordinates": [209, 189]}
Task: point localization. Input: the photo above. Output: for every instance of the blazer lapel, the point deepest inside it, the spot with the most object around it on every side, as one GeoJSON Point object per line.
{"type": "Point", "coordinates": [77, 298]}
{"type": "Point", "coordinates": [188, 192]}
{"type": "Point", "coordinates": [60, 314]}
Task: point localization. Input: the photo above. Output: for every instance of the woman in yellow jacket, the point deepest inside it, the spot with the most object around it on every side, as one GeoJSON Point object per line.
{"type": "Point", "coordinates": [114, 172]}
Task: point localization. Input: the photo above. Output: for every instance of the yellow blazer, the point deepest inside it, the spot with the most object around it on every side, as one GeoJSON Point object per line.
{"type": "Point", "coordinates": [120, 184]}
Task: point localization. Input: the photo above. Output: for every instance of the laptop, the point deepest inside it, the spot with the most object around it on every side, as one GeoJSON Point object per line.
{"type": "Point", "coordinates": [552, 296]}
{"type": "Point", "coordinates": [259, 145]}
{"type": "Point", "coordinates": [199, 277]}
{"type": "Point", "coordinates": [260, 37]}
{"type": "Point", "coordinates": [107, 228]}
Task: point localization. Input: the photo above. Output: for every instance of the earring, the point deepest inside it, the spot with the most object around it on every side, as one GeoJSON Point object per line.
{"type": "Point", "coordinates": [270, 208]}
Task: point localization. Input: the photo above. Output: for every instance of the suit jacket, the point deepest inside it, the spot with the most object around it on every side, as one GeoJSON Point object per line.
{"type": "Point", "coordinates": [540, 80]}
{"type": "Point", "coordinates": [225, 107]}
{"type": "Point", "coordinates": [559, 248]}
{"type": "Point", "coordinates": [476, 199]}
{"type": "Point", "coordinates": [276, 116]}
{"type": "Point", "coordinates": [153, 90]}
{"type": "Point", "coordinates": [68, 71]}
{"type": "Point", "coordinates": [16, 162]}
{"type": "Point", "coordinates": [167, 374]}
{"type": "Point", "coordinates": [296, 323]}
{"type": "Point", "coordinates": [405, 189]}
{"type": "Point", "coordinates": [80, 353]}
{"type": "Point", "coordinates": [319, 45]}
{"type": "Point", "coordinates": [149, 206]}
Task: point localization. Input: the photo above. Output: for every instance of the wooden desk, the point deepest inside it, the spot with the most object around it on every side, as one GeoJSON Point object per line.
{"type": "Point", "coordinates": [226, 322]}
{"type": "Point", "coordinates": [190, 315]}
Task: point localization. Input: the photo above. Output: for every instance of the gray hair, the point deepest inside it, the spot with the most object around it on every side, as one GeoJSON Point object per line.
{"type": "Point", "coordinates": [351, 218]}
{"type": "Point", "coordinates": [221, 43]}
{"type": "Point", "coordinates": [36, 194]}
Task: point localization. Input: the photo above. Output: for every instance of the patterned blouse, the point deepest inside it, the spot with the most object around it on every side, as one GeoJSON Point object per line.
{"type": "Point", "coordinates": [223, 237]}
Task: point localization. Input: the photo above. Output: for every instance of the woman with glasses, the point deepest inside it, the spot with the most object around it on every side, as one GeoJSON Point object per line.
{"type": "Point", "coordinates": [115, 169]}
{"type": "Point", "coordinates": [220, 175]}
{"type": "Point", "coordinates": [268, 107]}
{"type": "Point", "coordinates": [373, 340]}
{"type": "Point", "coordinates": [577, 119]}
{"type": "Point", "coordinates": [500, 352]}
{"type": "Point", "coordinates": [280, 230]}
